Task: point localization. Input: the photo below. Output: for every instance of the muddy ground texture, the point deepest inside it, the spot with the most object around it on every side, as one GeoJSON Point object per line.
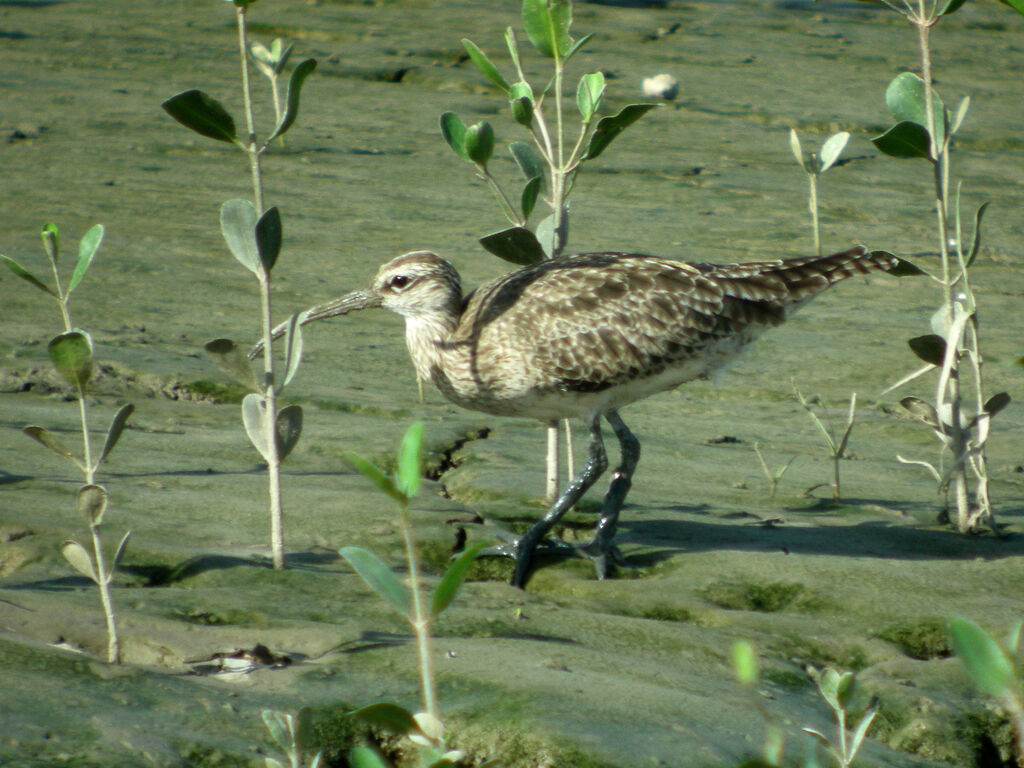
{"type": "Point", "coordinates": [629, 672]}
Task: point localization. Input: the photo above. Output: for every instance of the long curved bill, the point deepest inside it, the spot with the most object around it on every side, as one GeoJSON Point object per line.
{"type": "Point", "coordinates": [350, 302]}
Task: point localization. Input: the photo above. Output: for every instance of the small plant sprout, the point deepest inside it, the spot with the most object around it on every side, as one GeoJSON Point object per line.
{"type": "Point", "coordinates": [253, 235]}
{"type": "Point", "coordinates": [294, 735]}
{"type": "Point", "coordinates": [773, 477]}
{"type": "Point", "coordinates": [747, 670]}
{"type": "Point", "coordinates": [992, 668]}
{"type": "Point", "coordinates": [271, 62]}
{"type": "Point", "coordinates": [836, 443]}
{"type": "Point", "coordinates": [72, 355]}
{"type": "Point", "coordinates": [924, 130]}
{"type": "Point", "coordinates": [419, 609]}
{"type": "Point", "coordinates": [815, 165]}
{"type": "Point", "coordinates": [552, 158]}
{"type": "Point", "coordinates": [836, 688]}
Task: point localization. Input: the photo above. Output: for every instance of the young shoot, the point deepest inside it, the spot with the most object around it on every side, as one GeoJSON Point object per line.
{"type": "Point", "coordinates": [773, 477]}
{"type": "Point", "coordinates": [836, 688]}
{"type": "Point", "coordinates": [416, 606]}
{"type": "Point", "coordinates": [815, 165]}
{"type": "Point", "coordinates": [253, 235]}
{"type": "Point", "coordinates": [552, 157]}
{"type": "Point", "coordinates": [71, 353]}
{"type": "Point", "coordinates": [924, 130]}
{"type": "Point", "coordinates": [836, 443]}
{"type": "Point", "coordinates": [293, 734]}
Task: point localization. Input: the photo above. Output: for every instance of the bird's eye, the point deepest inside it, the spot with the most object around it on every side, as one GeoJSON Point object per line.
{"type": "Point", "coordinates": [399, 282]}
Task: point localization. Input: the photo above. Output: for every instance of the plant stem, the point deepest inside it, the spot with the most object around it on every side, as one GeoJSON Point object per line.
{"type": "Point", "coordinates": [270, 394]}
{"type": "Point", "coordinates": [813, 205]}
{"type": "Point", "coordinates": [421, 621]}
{"type": "Point", "coordinates": [113, 648]}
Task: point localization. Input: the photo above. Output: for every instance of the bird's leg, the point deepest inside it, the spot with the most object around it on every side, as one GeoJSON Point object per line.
{"type": "Point", "coordinates": [601, 549]}
{"type": "Point", "coordinates": [524, 548]}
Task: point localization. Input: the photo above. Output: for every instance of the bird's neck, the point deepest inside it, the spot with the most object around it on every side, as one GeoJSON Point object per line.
{"type": "Point", "coordinates": [428, 338]}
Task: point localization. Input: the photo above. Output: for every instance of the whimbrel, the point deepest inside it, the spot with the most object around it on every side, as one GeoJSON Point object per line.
{"type": "Point", "coordinates": [584, 335]}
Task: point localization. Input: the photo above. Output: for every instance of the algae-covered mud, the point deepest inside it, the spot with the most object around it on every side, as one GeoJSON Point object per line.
{"type": "Point", "coordinates": [628, 672]}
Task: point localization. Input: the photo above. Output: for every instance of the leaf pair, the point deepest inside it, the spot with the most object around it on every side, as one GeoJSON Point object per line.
{"type": "Point", "coordinates": [206, 116]}
{"type": "Point", "coordinates": [87, 248]}
{"type": "Point", "coordinates": [233, 361]}
{"type": "Point", "coordinates": [254, 241]}
{"type": "Point", "coordinates": [54, 443]}
{"type": "Point", "coordinates": [906, 101]}
{"type": "Point", "coordinates": [818, 163]}
{"type": "Point", "coordinates": [423, 729]}
{"type": "Point", "coordinates": [474, 143]}
{"type": "Point", "coordinates": [286, 426]}
{"type": "Point", "coordinates": [91, 502]}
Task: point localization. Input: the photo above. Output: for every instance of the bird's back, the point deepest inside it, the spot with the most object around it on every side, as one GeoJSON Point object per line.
{"type": "Point", "coordinates": [612, 328]}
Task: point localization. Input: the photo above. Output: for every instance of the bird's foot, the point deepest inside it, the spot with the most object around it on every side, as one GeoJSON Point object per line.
{"type": "Point", "coordinates": [605, 557]}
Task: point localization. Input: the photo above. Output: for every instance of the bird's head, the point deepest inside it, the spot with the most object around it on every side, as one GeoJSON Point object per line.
{"type": "Point", "coordinates": [418, 283]}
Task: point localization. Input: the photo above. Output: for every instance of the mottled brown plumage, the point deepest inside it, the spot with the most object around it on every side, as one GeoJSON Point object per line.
{"type": "Point", "coordinates": [582, 336]}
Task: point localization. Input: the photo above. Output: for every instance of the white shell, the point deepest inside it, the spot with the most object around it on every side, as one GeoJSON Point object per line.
{"type": "Point", "coordinates": [662, 86]}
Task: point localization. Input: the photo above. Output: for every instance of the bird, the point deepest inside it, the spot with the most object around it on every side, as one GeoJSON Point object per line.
{"type": "Point", "coordinates": [582, 336]}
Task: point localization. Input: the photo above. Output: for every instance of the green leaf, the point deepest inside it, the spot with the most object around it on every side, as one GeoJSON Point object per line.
{"type": "Point", "coordinates": [931, 348]}
{"type": "Point", "coordinates": [379, 578]}
{"type": "Point", "coordinates": [375, 475]}
{"type": "Point", "coordinates": [986, 664]}
{"type": "Point", "coordinates": [951, 6]}
{"type": "Point", "coordinates": [255, 420]}
{"type": "Point", "coordinates": [79, 559]}
{"type": "Point", "coordinates": [976, 238]}
{"type": "Point", "coordinates": [588, 94]}
{"type": "Point", "coordinates": [50, 440]}
{"type": "Point", "coordinates": [238, 226]}
{"type": "Point", "coordinates": [479, 58]}
{"type": "Point", "coordinates": [364, 757]}
{"type": "Point", "coordinates": [832, 148]}
{"type": "Point", "coordinates": [278, 727]}
{"type": "Point", "coordinates": [289, 428]}
{"type": "Point", "coordinates": [547, 25]}
{"type": "Point", "coordinates": [24, 274]}
{"type": "Point", "coordinates": [795, 148]}
{"type": "Point", "coordinates": [71, 353]}
{"type": "Point", "coordinates": [1017, 5]}
{"type": "Point", "coordinates": [529, 197]}
{"type": "Point", "coordinates": [517, 245]}
{"type": "Point", "coordinates": [577, 45]}
{"type": "Point", "coordinates": [87, 248]}
{"type": "Point", "coordinates": [744, 663]}
{"type": "Point", "coordinates": [230, 358]}
{"type": "Point", "coordinates": [521, 102]}
{"type": "Point", "coordinates": [996, 403]}
{"type": "Point", "coordinates": [479, 142]}
{"type": "Point", "coordinates": [91, 503]}
{"type": "Point", "coordinates": [117, 425]}
{"type": "Point", "coordinates": [528, 159]}
{"type": "Point", "coordinates": [410, 460]}
{"type": "Point", "coordinates": [448, 587]}
{"type": "Point", "coordinates": [921, 411]}
{"type": "Point", "coordinates": [203, 114]}
{"type": "Point", "coordinates": [118, 554]}
{"type": "Point", "coordinates": [610, 127]}
{"type": "Point", "coordinates": [388, 717]}
{"type": "Point", "coordinates": [904, 139]}
{"type": "Point", "coordinates": [454, 132]}
{"type": "Point", "coordinates": [268, 237]}
{"type": "Point", "coordinates": [905, 100]}
{"type": "Point", "coordinates": [295, 81]}
{"type": "Point", "coordinates": [51, 241]}
{"type": "Point", "coordinates": [292, 348]}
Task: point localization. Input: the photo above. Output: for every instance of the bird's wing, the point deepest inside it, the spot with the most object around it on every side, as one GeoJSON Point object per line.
{"type": "Point", "coordinates": [590, 321]}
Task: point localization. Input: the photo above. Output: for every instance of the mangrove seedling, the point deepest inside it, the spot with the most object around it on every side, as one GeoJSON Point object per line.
{"type": "Point", "coordinates": [551, 160]}
{"type": "Point", "coordinates": [72, 355]}
{"type": "Point", "coordinates": [253, 235]}
{"type": "Point", "coordinates": [418, 608]}
{"type": "Point", "coordinates": [815, 165]}
{"type": "Point", "coordinates": [924, 130]}
{"type": "Point", "coordinates": [773, 477]}
{"type": "Point", "coordinates": [836, 688]}
{"type": "Point", "coordinates": [836, 442]}
{"type": "Point", "coordinates": [294, 735]}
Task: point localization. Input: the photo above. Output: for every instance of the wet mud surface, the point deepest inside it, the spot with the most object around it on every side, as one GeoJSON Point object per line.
{"type": "Point", "coordinates": [631, 671]}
